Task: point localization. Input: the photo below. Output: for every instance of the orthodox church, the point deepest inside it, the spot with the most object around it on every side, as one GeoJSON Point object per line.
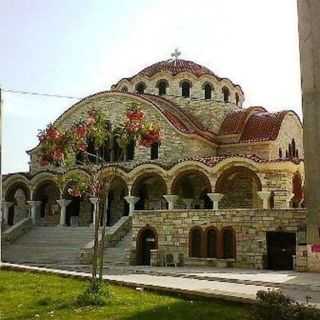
{"type": "Point", "coordinates": [224, 187]}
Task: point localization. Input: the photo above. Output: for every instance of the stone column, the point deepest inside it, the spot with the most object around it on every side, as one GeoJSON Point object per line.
{"type": "Point", "coordinates": [132, 200]}
{"type": "Point", "coordinates": [95, 202]}
{"type": "Point", "coordinates": [34, 205]}
{"type": "Point", "coordinates": [63, 205]}
{"type": "Point", "coordinates": [215, 198]}
{"type": "Point", "coordinates": [5, 210]}
{"type": "Point", "coordinates": [265, 197]}
{"type": "Point", "coordinates": [309, 38]}
{"type": "Point", "coordinates": [171, 199]}
{"type": "Point", "coordinates": [188, 203]}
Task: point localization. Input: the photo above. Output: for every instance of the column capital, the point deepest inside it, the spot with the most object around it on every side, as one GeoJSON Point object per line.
{"type": "Point", "coordinates": [63, 202]}
{"type": "Point", "coordinates": [188, 202]}
{"type": "Point", "coordinates": [94, 200]}
{"type": "Point", "coordinates": [264, 195]}
{"type": "Point", "coordinates": [6, 204]}
{"type": "Point", "coordinates": [34, 203]}
{"type": "Point", "coordinates": [215, 197]}
{"type": "Point", "coordinates": [171, 199]}
{"type": "Point", "coordinates": [131, 199]}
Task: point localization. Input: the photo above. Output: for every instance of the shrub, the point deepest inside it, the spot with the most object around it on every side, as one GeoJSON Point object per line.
{"type": "Point", "coordinates": [94, 296]}
{"type": "Point", "coordinates": [273, 305]}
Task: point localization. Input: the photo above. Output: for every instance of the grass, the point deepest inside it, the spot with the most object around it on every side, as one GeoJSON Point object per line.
{"type": "Point", "coordinates": [26, 296]}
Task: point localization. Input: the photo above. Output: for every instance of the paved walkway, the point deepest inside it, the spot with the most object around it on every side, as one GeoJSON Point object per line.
{"type": "Point", "coordinates": [231, 284]}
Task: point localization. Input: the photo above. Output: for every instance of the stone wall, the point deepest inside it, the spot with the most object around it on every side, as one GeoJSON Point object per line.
{"type": "Point", "coordinates": [250, 226]}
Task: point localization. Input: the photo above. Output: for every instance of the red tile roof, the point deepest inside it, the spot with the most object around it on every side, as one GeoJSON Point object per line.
{"type": "Point", "coordinates": [253, 124]}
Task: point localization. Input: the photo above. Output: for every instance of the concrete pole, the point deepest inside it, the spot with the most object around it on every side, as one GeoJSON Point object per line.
{"type": "Point", "coordinates": [265, 197]}
{"type": "Point", "coordinates": [63, 205]}
{"type": "Point", "coordinates": [132, 201]}
{"type": "Point", "coordinates": [171, 199]}
{"type": "Point", "coordinates": [309, 38]}
{"type": "Point", "coordinates": [34, 205]}
{"type": "Point", "coordinates": [215, 197]}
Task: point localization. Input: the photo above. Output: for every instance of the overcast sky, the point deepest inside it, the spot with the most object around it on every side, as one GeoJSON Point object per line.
{"type": "Point", "coordinates": [78, 47]}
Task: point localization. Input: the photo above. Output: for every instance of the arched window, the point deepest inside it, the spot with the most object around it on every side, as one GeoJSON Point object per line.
{"type": "Point", "coordinates": [155, 151]}
{"type": "Point", "coordinates": [290, 150]}
{"type": "Point", "coordinates": [280, 153]}
{"type": "Point", "coordinates": [140, 88]}
{"type": "Point", "coordinates": [195, 242]}
{"type": "Point", "coordinates": [208, 91]}
{"type": "Point", "coordinates": [229, 243]}
{"type": "Point", "coordinates": [185, 89]}
{"type": "Point", "coordinates": [130, 150]}
{"type": "Point", "coordinates": [116, 150]}
{"type": "Point", "coordinates": [293, 145]}
{"type": "Point", "coordinates": [162, 86]}
{"type": "Point", "coordinates": [226, 94]}
{"type": "Point", "coordinates": [124, 89]}
{"type": "Point", "coordinates": [212, 243]}
{"type": "Point", "coordinates": [237, 98]}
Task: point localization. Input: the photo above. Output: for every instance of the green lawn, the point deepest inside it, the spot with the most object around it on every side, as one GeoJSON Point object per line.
{"type": "Point", "coordinates": [25, 296]}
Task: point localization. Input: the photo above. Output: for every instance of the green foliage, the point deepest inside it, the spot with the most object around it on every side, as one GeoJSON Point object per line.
{"type": "Point", "coordinates": [98, 295]}
{"type": "Point", "coordinates": [273, 305]}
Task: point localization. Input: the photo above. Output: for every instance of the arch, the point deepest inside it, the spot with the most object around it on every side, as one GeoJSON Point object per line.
{"type": "Point", "coordinates": [150, 188]}
{"type": "Point", "coordinates": [140, 87]}
{"type": "Point", "coordinates": [186, 86]}
{"type": "Point", "coordinates": [239, 185]}
{"type": "Point", "coordinates": [147, 239]}
{"type": "Point", "coordinates": [211, 242]}
{"type": "Point", "coordinates": [228, 243]}
{"type": "Point", "coordinates": [18, 193]}
{"type": "Point", "coordinates": [226, 94]}
{"type": "Point", "coordinates": [48, 193]}
{"type": "Point", "coordinates": [162, 86]}
{"type": "Point", "coordinates": [192, 184]}
{"type": "Point", "coordinates": [207, 88]}
{"type": "Point", "coordinates": [117, 205]}
{"type": "Point", "coordinates": [196, 242]}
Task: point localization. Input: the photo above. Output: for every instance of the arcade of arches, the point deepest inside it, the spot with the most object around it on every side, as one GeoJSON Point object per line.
{"type": "Point", "coordinates": [236, 187]}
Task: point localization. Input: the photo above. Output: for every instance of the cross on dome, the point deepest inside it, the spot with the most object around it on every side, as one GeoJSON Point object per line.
{"type": "Point", "coordinates": [176, 54]}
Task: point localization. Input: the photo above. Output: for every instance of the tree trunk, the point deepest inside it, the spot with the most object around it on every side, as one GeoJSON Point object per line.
{"type": "Point", "coordinates": [95, 247]}
{"type": "Point", "coordinates": [103, 235]}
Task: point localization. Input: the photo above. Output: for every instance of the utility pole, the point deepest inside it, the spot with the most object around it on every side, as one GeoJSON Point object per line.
{"type": "Point", "coordinates": [0, 177]}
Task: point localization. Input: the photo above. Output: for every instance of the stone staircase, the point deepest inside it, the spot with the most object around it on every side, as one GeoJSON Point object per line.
{"type": "Point", "coordinates": [117, 255]}
{"type": "Point", "coordinates": [48, 245]}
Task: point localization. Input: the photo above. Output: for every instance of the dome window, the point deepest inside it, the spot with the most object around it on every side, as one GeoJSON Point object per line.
{"type": "Point", "coordinates": [185, 88]}
{"type": "Point", "coordinates": [140, 88]}
{"type": "Point", "coordinates": [226, 94]}
{"type": "Point", "coordinates": [237, 99]}
{"type": "Point", "coordinates": [208, 88]}
{"type": "Point", "coordinates": [162, 86]}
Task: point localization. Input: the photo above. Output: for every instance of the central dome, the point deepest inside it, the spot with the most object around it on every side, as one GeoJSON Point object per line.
{"type": "Point", "coordinates": [175, 66]}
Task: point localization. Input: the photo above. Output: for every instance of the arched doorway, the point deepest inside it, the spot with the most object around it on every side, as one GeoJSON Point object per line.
{"type": "Point", "coordinates": [147, 240]}
{"type": "Point", "coordinates": [239, 186]}
{"type": "Point", "coordinates": [150, 189]}
{"type": "Point", "coordinates": [192, 187]}
{"type": "Point", "coordinates": [228, 243]}
{"type": "Point", "coordinates": [18, 194]}
{"type": "Point", "coordinates": [211, 242]}
{"type": "Point", "coordinates": [195, 242]}
{"type": "Point", "coordinates": [48, 193]}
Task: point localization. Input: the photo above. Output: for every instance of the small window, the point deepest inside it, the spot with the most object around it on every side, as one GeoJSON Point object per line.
{"type": "Point", "coordinates": [280, 153]}
{"type": "Point", "coordinates": [155, 151]}
{"type": "Point", "coordinates": [130, 150]}
{"type": "Point", "coordinates": [185, 89]}
{"type": "Point", "coordinates": [237, 98]}
{"type": "Point", "coordinates": [124, 89]}
{"type": "Point", "coordinates": [226, 94]}
{"type": "Point", "coordinates": [162, 86]}
{"type": "Point", "coordinates": [207, 91]}
{"type": "Point", "coordinates": [140, 88]}
{"type": "Point", "coordinates": [228, 239]}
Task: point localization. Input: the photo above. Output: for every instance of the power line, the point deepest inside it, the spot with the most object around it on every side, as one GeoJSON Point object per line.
{"type": "Point", "coordinates": [40, 94]}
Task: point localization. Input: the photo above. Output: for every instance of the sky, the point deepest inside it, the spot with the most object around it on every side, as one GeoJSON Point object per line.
{"type": "Point", "coordinates": [78, 47]}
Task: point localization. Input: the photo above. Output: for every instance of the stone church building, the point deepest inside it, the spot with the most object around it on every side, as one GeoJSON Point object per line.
{"type": "Point", "coordinates": [223, 188]}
